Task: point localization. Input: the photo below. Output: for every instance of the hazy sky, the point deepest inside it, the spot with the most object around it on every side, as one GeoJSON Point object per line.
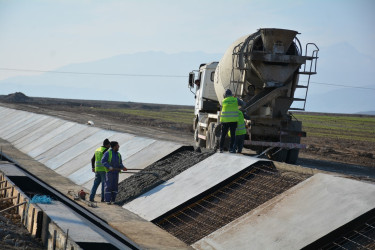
{"type": "Point", "coordinates": [47, 34]}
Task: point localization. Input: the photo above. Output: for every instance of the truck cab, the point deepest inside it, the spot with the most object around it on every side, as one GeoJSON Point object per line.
{"type": "Point", "coordinates": [205, 95]}
{"type": "Point", "coordinates": [206, 104]}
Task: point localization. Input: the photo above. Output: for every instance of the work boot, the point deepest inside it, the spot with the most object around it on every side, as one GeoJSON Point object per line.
{"type": "Point", "coordinates": [109, 203]}
{"type": "Point", "coordinates": [221, 150]}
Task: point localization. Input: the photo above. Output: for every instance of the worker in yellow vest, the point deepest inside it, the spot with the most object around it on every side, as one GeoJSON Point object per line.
{"type": "Point", "coordinates": [229, 119]}
{"type": "Point", "coordinates": [99, 169]}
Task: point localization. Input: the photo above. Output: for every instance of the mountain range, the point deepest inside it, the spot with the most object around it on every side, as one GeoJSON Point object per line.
{"type": "Point", "coordinates": [343, 84]}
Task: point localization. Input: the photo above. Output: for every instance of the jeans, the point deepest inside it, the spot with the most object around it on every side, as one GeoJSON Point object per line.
{"type": "Point", "coordinates": [111, 186]}
{"type": "Point", "coordinates": [99, 178]}
{"type": "Point", "coordinates": [239, 142]}
{"type": "Point", "coordinates": [224, 131]}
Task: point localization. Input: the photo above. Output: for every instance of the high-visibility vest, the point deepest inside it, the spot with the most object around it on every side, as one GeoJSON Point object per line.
{"type": "Point", "coordinates": [99, 167]}
{"type": "Point", "coordinates": [241, 127]}
{"type": "Point", "coordinates": [229, 112]}
{"type": "Point", "coordinates": [110, 156]}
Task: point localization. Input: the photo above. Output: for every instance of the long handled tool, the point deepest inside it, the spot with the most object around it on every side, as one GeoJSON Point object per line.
{"type": "Point", "coordinates": [144, 172]}
{"type": "Point", "coordinates": [156, 169]}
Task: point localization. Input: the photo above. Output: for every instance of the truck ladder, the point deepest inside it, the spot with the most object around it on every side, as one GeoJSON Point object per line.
{"type": "Point", "coordinates": [235, 84]}
{"type": "Point", "coordinates": [313, 60]}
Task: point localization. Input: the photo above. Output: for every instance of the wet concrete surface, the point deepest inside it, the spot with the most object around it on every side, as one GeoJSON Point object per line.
{"type": "Point", "coordinates": [158, 172]}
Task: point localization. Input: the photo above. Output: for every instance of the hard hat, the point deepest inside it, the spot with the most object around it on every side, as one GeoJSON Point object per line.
{"type": "Point", "coordinates": [228, 92]}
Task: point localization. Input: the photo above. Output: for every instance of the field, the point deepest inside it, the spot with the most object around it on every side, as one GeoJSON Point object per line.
{"type": "Point", "coordinates": [183, 115]}
{"type": "Point", "coordinates": [347, 127]}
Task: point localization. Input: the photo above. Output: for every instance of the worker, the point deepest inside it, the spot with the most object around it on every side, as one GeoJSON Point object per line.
{"type": "Point", "coordinates": [113, 162]}
{"type": "Point", "coordinates": [229, 119]}
{"type": "Point", "coordinates": [240, 132]}
{"type": "Point", "coordinates": [99, 169]}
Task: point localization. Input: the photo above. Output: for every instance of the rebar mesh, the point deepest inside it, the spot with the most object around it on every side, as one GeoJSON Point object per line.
{"type": "Point", "coordinates": [252, 188]}
{"type": "Point", "coordinates": [361, 237]}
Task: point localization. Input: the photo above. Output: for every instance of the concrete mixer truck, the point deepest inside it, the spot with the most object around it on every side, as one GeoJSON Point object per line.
{"type": "Point", "coordinates": [264, 70]}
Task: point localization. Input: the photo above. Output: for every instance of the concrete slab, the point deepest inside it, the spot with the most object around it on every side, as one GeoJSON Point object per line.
{"type": "Point", "coordinates": [10, 170]}
{"type": "Point", "coordinates": [16, 123]}
{"type": "Point", "coordinates": [79, 230]}
{"type": "Point", "coordinates": [34, 136]}
{"type": "Point", "coordinates": [41, 152]}
{"type": "Point", "coordinates": [69, 141]}
{"type": "Point", "coordinates": [2, 110]}
{"type": "Point", "coordinates": [8, 125]}
{"type": "Point", "coordinates": [63, 126]}
{"type": "Point", "coordinates": [25, 130]}
{"type": "Point", "coordinates": [77, 148]}
{"type": "Point", "coordinates": [298, 217]}
{"type": "Point", "coordinates": [133, 146]}
{"type": "Point", "coordinates": [188, 184]}
{"type": "Point", "coordinates": [45, 123]}
{"type": "Point", "coordinates": [6, 114]}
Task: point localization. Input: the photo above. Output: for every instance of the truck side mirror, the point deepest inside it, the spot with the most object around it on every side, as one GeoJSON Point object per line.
{"type": "Point", "coordinates": [191, 79]}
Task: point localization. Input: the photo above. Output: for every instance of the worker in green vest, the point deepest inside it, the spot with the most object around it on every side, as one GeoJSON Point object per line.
{"type": "Point", "coordinates": [240, 132]}
{"type": "Point", "coordinates": [99, 169]}
{"type": "Point", "coordinates": [229, 119]}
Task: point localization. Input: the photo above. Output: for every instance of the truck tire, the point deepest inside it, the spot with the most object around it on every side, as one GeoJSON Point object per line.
{"type": "Point", "coordinates": [292, 156]}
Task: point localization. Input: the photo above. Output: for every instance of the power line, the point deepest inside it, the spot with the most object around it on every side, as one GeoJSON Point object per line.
{"type": "Point", "coordinates": [88, 73]}
{"type": "Point", "coordinates": [340, 85]}
{"type": "Point", "coordinates": [149, 75]}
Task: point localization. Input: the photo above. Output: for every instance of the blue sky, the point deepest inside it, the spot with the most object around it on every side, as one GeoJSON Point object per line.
{"type": "Point", "coordinates": [48, 34]}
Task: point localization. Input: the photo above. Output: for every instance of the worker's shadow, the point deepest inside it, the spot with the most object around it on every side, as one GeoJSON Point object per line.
{"type": "Point", "coordinates": [157, 189]}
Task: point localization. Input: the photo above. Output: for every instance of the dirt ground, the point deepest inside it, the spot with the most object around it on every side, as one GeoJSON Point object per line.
{"type": "Point", "coordinates": [13, 235]}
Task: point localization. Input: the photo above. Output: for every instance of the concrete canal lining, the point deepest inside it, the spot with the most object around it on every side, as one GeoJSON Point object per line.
{"type": "Point", "coordinates": [67, 147]}
{"type": "Point", "coordinates": [297, 217]}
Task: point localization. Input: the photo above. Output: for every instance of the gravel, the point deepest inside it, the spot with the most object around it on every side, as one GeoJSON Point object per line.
{"type": "Point", "coordinates": [13, 235]}
{"type": "Point", "coordinates": [158, 172]}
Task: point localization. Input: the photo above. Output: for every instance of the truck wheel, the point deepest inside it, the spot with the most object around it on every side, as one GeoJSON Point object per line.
{"type": "Point", "coordinates": [292, 156]}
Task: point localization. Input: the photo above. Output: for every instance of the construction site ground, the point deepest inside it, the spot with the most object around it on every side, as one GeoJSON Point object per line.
{"type": "Point", "coordinates": [324, 153]}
